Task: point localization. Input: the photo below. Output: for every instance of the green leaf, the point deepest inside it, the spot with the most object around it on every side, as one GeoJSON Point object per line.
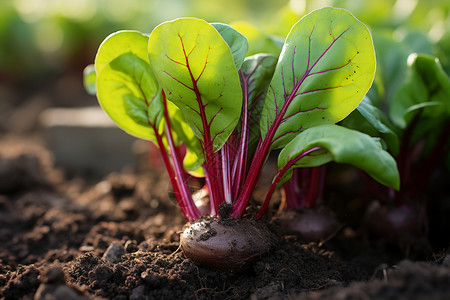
{"type": "Point", "coordinates": [257, 72]}
{"type": "Point", "coordinates": [391, 66]}
{"type": "Point", "coordinates": [130, 95]}
{"type": "Point", "coordinates": [194, 66]}
{"type": "Point", "coordinates": [119, 43]}
{"type": "Point", "coordinates": [326, 67]}
{"type": "Point", "coordinates": [372, 121]}
{"type": "Point", "coordinates": [89, 78]}
{"type": "Point", "coordinates": [442, 48]}
{"type": "Point", "coordinates": [392, 54]}
{"type": "Point", "coordinates": [237, 42]}
{"type": "Point", "coordinates": [193, 164]}
{"type": "Point", "coordinates": [341, 145]}
{"type": "Point", "coordinates": [427, 91]}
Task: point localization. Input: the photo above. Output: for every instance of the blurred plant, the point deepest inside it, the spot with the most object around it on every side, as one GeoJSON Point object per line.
{"type": "Point", "coordinates": [414, 91]}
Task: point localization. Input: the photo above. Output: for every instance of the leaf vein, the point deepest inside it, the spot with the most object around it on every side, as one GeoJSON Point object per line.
{"type": "Point", "coordinates": [177, 80]}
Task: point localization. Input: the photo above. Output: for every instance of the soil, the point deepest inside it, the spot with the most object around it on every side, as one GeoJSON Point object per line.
{"type": "Point", "coordinates": [74, 236]}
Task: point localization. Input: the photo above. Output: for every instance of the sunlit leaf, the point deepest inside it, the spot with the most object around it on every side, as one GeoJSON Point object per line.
{"type": "Point", "coordinates": [130, 95]}
{"type": "Point", "coordinates": [326, 67]}
{"type": "Point", "coordinates": [118, 43]}
{"type": "Point", "coordinates": [194, 65]}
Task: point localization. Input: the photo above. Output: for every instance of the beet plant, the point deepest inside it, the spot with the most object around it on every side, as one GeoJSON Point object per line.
{"type": "Point", "coordinates": [302, 192]}
{"type": "Point", "coordinates": [410, 112]}
{"type": "Point", "coordinates": [213, 112]}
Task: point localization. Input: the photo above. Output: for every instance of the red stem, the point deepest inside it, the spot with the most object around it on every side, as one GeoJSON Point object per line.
{"type": "Point", "coordinates": [314, 187]}
{"type": "Point", "coordinates": [404, 160]}
{"type": "Point", "coordinates": [241, 160]}
{"type": "Point", "coordinates": [323, 171]}
{"type": "Point", "coordinates": [212, 200]}
{"type": "Point", "coordinates": [187, 203]}
{"type": "Point", "coordinates": [171, 172]}
{"type": "Point", "coordinates": [293, 191]}
{"type": "Point", "coordinates": [226, 173]}
{"type": "Point", "coordinates": [427, 166]}
{"type": "Point", "coordinates": [278, 177]}
{"type": "Point", "coordinates": [261, 154]}
{"type": "Point", "coordinates": [305, 181]}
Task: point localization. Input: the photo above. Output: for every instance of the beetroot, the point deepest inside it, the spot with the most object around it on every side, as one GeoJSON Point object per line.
{"type": "Point", "coordinates": [310, 224]}
{"type": "Point", "coordinates": [397, 224]}
{"type": "Point", "coordinates": [226, 244]}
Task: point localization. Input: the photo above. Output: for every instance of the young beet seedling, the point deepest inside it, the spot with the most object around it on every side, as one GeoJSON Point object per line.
{"type": "Point", "coordinates": [190, 88]}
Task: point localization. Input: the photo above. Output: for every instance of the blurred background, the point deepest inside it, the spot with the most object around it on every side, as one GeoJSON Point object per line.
{"type": "Point", "coordinates": [45, 44]}
{"type": "Point", "coordinates": [43, 39]}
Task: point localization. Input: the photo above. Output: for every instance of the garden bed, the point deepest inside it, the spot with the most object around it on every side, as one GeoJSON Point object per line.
{"type": "Point", "coordinates": [117, 237]}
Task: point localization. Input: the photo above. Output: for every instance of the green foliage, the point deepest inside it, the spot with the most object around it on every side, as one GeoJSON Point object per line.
{"type": "Point", "coordinates": [326, 67]}
{"type": "Point", "coordinates": [126, 87]}
{"type": "Point", "coordinates": [129, 94]}
{"type": "Point", "coordinates": [121, 42]}
{"type": "Point", "coordinates": [236, 41]}
{"type": "Point", "coordinates": [259, 70]}
{"type": "Point", "coordinates": [196, 69]}
{"type": "Point", "coordinates": [391, 67]}
{"type": "Point", "coordinates": [341, 145]}
{"type": "Point", "coordinates": [369, 119]}
{"type": "Point", "coordinates": [427, 91]}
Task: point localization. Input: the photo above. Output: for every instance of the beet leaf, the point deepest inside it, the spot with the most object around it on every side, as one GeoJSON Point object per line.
{"type": "Point", "coordinates": [427, 90]}
{"type": "Point", "coordinates": [126, 87]}
{"type": "Point", "coordinates": [319, 145]}
{"type": "Point", "coordinates": [341, 145]}
{"type": "Point", "coordinates": [237, 42]}
{"type": "Point", "coordinates": [195, 67]}
{"type": "Point", "coordinates": [371, 120]}
{"type": "Point", "coordinates": [197, 71]}
{"type": "Point", "coordinates": [326, 67]}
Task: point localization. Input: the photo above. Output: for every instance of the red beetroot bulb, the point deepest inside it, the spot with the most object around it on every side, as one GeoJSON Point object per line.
{"type": "Point", "coordinates": [396, 224]}
{"type": "Point", "coordinates": [226, 244]}
{"type": "Point", "coordinates": [310, 224]}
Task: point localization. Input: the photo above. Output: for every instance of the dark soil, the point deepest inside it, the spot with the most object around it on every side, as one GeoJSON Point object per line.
{"type": "Point", "coordinates": [117, 237]}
